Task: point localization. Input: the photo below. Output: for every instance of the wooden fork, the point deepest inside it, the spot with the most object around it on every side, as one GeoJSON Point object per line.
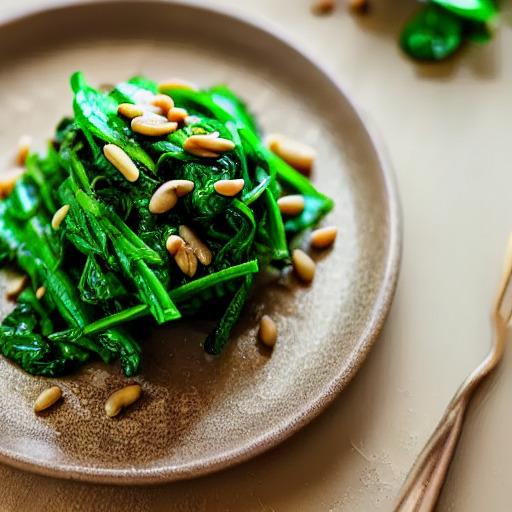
{"type": "Point", "coordinates": [423, 484]}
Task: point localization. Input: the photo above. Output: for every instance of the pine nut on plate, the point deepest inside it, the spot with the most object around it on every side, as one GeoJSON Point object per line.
{"type": "Point", "coordinates": [130, 110]}
{"type": "Point", "coordinates": [198, 247]}
{"type": "Point", "coordinates": [298, 155]}
{"type": "Point", "coordinates": [186, 260]}
{"type": "Point", "coordinates": [8, 180]}
{"type": "Point", "coordinates": [59, 216]}
{"type": "Point", "coordinates": [122, 398]}
{"type": "Point", "coordinates": [47, 398]}
{"type": "Point", "coordinates": [268, 331]}
{"type": "Point", "coordinates": [166, 195]}
{"type": "Point", "coordinates": [40, 292]}
{"type": "Point", "coordinates": [121, 161]}
{"type": "Point", "coordinates": [163, 102]}
{"type": "Point", "coordinates": [323, 237]}
{"type": "Point", "coordinates": [228, 187]}
{"type": "Point", "coordinates": [174, 243]}
{"type": "Point", "coordinates": [177, 115]}
{"type": "Point", "coordinates": [291, 205]}
{"type": "Point", "coordinates": [153, 125]}
{"type": "Point", "coordinates": [23, 149]}
{"type": "Point", "coordinates": [303, 265]}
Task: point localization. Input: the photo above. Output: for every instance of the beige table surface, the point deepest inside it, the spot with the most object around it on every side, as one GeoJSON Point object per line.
{"type": "Point", "coordinates": [448, 132]}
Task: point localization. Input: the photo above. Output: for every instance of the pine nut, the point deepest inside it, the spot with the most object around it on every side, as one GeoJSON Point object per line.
{"type": "Point", "coordinates": [201, 152]}
{"type": "Point", "coordinates": [303, 265]}
{"type": "Point", "coordinates": [153, 125]}
{"type": "Point", "coordinates": [121, 161]}
{"type": "Point", "coordinates": [323, 237]}
{"type": "Point", "coordinates": [174, 243]}
{"type": "Point", "coordinates": [198, 247]}
{"type": "Point", "coordinates": [186, 260]}
{"type": "Point", "coordinates": [164, 102]}
{"type": "Point", "coordinates": [177, 84]}
{"type": "Point", "coordinates": [183, 187]}
{"type": "Point", "coordinates": [23, 149]}
{"type": "Point", "coordinates": [321, 7]}
{"type": "Point", "coordinates": [268, 331]}
{"type": "Point", "coordinates": [210, 142]}
{"type": "Point", "coordinates": [122, 398]}
{"type": "Point", "coordinates": [59, 216]}
{"type": "Point", "coordinates": [291, 205]}
{"type": "Point", "coordinates": [16, 283]}
{"type": "Point", "coordinates": [40, 292]}
{"type": "Point", "coordinates": [8, 180]}
{"type": "Point", "coordinates": [228, 187]}
{"type": "Point", "coordinates": [359, 5]}
{"type": "Point", "coordinates": [47, 398]}
{"type": "Point", "coordinates": [177, 115]}
{"type": "Point", "coordinates": [129, 110]}
{"type": "Point", "coordinates": [166, 196]}
{"type": "Point", "coordinates": [190, 120]}
{"type": "Point", "coordinates": [300, 156]}
{"type": "Point", "coordinates": [183, 255]}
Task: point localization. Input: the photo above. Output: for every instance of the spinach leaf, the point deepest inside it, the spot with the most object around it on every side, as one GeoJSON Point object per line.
{"type": "Point", "coordinates": [438, 30]}
{"type": "Point", "coordinates": [476, 10]}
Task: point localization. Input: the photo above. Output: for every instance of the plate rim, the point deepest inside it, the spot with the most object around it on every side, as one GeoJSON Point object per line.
{"type": "Point", "coordinates": [387, 288]}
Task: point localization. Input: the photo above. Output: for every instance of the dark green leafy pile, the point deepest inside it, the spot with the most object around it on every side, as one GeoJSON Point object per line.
{"type": "Point", "coordinates": [440, 27]}
{"type": "Point", "coordinates": [107, 265]}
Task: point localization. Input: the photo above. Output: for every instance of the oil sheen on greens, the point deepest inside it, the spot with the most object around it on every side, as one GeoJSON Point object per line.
{"type": "Point", "coordinates": [440, 27]}
{"type": "Point", "coordinates": [107, 266]}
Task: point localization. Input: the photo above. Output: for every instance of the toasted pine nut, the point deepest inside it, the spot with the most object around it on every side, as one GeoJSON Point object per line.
{"type": "Point", "coordinates": [153, 125]}
{"type": "Point", "coordinates": [23, 149]}
{"type": "Point", "coordinates": [189, 120]}
{"type": "Point", "coordinates": [121, 161]}
{"type": "Point", "coordinates": [8, 180]}
{"type": "Point", "coordinates": [300, 156]}
{"type": "Point", "coordinates": [40, 292]}
{"type": "Point", "coordinates": [228, 187]}
{"type": "Point", "coordinates": [184, 256]}
{"type": "Point", "coordinates": [16, 283]}
{"type": "Point", "coordinates": [47, 398]}
{"type": "Point", "coordinates": [359, 5]}
{"type": "Point", "coordinates": [59, 216]}
{"type": "Point", "coordinates": [166, 196]}
{"type": "Point", "coordinates": [291, 205]}
{"type": "Point", "coordinates": [186, 260]}
{"type": "Point", "coordinates": [198, 247]}
{"type": "Point", "coordinates": [303, 265]}
{"type": "Point", "coordinates": [174, 243]}
{"type": "Point", "coordinates": [268, 331]}
{"type": "Point", "coordinates": [323, 237]}
{"type": "Point", "coordinates": [323, 7]}
{"type": "Point", "coordinates": [177, 83]}
{"type": "Point", "coordinates": [210, 142]}
{"type": "Point", "coordinates": [122, 398]}
{"type": "Point", "coordinates": [164, 102]}
{"type": "Point", "coordinates": [205, 153]}
{"type": "Point", "coordinates": [129, 110]}
{"type": "Point", "coordinates": [177, 115]}
{"type": "Point", "coordinates": [183, 187]}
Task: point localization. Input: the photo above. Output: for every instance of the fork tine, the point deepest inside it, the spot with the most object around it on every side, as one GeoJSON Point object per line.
{"type": "Point", "coordinates": [503, 303]}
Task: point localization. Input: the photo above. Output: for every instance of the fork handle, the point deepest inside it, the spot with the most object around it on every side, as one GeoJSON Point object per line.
{"type": "Point", "coordinates": [425, 480]}
{"type": "Point", "coordinates": [423, 484]}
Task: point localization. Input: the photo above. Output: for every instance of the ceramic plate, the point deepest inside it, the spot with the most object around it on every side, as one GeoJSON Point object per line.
{"type": "Point", "coordinates": [198, 413]}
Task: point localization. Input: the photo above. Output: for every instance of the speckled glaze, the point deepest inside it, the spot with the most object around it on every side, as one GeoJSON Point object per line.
{"type": "Point", "coordinates": [198, 413]}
